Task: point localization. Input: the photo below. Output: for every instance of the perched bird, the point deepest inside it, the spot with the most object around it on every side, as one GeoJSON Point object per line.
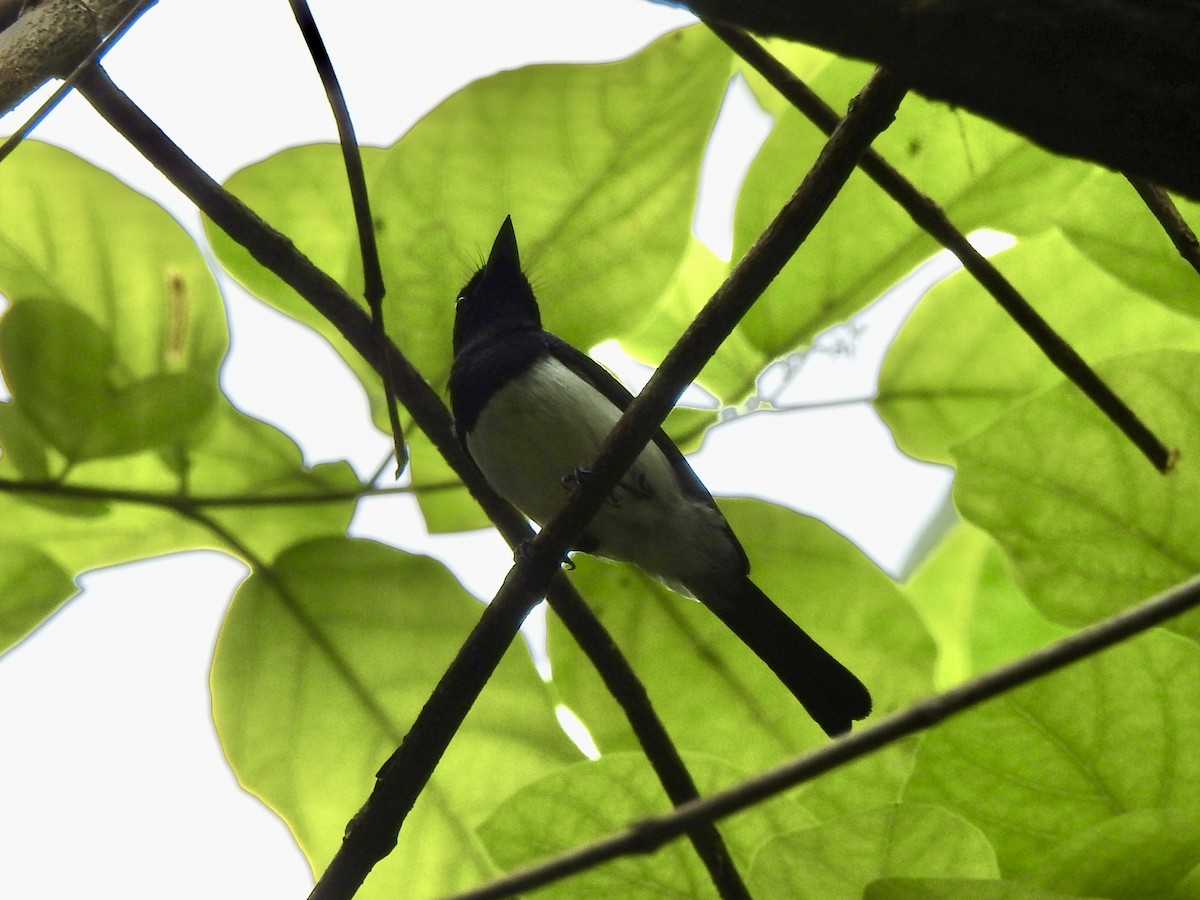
{"type": "Point", "coordinates": [532, 411]}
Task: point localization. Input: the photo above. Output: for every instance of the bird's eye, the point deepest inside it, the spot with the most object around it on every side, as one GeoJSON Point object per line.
{"type": "Point", "coordinates": [459, 299]}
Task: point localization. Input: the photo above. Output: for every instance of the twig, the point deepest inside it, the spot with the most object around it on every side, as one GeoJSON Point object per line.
{"type": "Point", "coordinates": [650, 834]}
{"type": "Point", "coordinates": [930, 217]}
{"type": "Point", "coordinates": [501, 621]}
{"type": "Point", "coordinates": [1176, 227]}
{"type": "Point", "coordinates": [373, 287]}
{"type": "Point", "coordinates": [210, 501]}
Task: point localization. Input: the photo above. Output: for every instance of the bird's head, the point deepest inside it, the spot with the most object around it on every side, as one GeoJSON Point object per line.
{"type": "Point", "coordinates": [498, 299]}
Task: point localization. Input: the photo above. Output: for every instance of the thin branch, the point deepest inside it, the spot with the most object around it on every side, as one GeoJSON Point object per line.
{"type": "Point", "coordinates": [501, 621]}
{"type": "Point", "coordinates": [930, 217]}
{"type": "Point", "coordinates": [1168, 215]}
{"type": "Point", "coordinates": [373, 287]}
{"type": "Point", "coordinates": [650, 834]}
{"type": "Point", "coordinates": [183, 502]}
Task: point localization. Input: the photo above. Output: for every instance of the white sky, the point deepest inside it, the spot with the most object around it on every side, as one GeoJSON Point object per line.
{"type": "Point", "coordinates": [111, 779]}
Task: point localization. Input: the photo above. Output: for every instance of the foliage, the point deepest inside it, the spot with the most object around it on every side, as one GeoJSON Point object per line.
{"type": "Point", "coordinates": [1086, 783]}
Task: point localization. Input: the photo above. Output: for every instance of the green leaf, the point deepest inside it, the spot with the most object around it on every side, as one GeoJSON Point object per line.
{"type": "Point", "coordinates": [116, 328]}
{"type": "Point", "coordinates": [591, 800]}
{"type": "Point", "coordinates": [840, 858]}
{"type": "Point", "coordinates": [957, 889]}
{"type": "Point", "coordinates": [76, 235]}
{"type": "Point", "coordinates": [967, 596]}
{"type": "Point", "coordinates": [1113, 733]}
{"type": "Point", "coordinates": [1142, 855]}
{"type": "Point", "coordinates": [314, 685]}
{"type": "Point", "coordinates": [982, 176]}
{"type": "Point", "coordinates": [699, 274]}
{"type": "Point", "coordinates": [1106, 220]}
{"type": "Point", "coordinates": [598, 165]}
{"type": "Point", "coordinates": [715, 696]}
{"type": "Point", "coordinates": [959, 362]}
{"type": "Point", "coordinates": [32, 586]}
{"type": "Point", "coordinates": [1087, 522]}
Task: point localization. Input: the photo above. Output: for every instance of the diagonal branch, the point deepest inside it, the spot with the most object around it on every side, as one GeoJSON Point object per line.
{"type": "Point", "coordinates": [1159, 202]}
{"type": "Point", "coordinates": [650, 834]}
{"type": "Point", "coordinates": [933, 219]}
{"type": "Point", "coordinates": [501, 621]}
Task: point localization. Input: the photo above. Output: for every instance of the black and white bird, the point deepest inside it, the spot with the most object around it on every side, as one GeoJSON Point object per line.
{"type": "Point", "coordinates": [532, 411]}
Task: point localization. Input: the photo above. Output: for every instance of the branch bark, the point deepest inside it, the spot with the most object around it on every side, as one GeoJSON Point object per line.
{"type": "Point", "coordinates": [1112, 81]}
{"type": "Point", "coordinates": [49, 39]}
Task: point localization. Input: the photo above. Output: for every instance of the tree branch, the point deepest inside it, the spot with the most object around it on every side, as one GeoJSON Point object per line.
{"type": "Point", "coordinates": [933, 219]}
{"type": "Point", "coordinates": [650, 834]}
{"type": "Point", "coordinates": [50, 39]}
{"type": "Point", "coordinates": [1113, 81]}
{"type": "Point", "coordinates": [1169, 218]}
{"type": "Point", "coordinates": [501, 620]}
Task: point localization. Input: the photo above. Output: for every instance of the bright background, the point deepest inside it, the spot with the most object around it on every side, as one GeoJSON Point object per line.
{"type": "Point", "coordinates": [112, 782]}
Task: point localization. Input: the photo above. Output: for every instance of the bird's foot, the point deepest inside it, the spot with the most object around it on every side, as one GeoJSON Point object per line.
{"type": "Point", "coordinates": [580, 476]}
{"type": "Point", "coordinates": [522, 554]}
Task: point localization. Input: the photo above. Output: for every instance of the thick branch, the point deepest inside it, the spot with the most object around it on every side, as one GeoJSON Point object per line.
{"type": "Point", "coordinates": [49, 40]}
{"type": "Point", "coordinates": [1113, 81]}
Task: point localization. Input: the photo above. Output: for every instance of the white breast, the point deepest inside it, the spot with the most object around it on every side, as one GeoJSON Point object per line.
{"type": "Point", "coordinates": [539, 428]}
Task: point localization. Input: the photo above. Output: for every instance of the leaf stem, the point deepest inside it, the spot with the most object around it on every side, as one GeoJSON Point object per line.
{"type": "Point", "coordinates": [373, 289]}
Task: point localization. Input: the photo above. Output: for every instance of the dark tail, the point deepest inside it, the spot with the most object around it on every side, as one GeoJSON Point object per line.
{"type": "Point", "coordinates": [825, 688]}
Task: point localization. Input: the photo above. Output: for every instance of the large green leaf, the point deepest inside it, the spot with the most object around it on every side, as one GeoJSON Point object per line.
{"type": "Point", "coordinates": [715, 696]}
{"type": "Point", "coordinates": [116, 328]}
{"type": "Point", "coordinates": [1107, 220]}
{"type": "Point", "coordinates": [1088, 523]}
{"type": "Point", "coordinates": [64, 375]}
{"type": "Point", "coordinates": [982, 175]}
{"type": "Point", "coordinates": [1142, 855]}
{"type": "Point", "coordinates": [319, 670]}
{"type": "Point", "coordinates": [957, 889]}
{"type": "Point", "coordinates": [598, 165]}
{"type": "Point", "coordinates": [959, 362]}
{"type": "Point", "coordinates": [966, 593]}
{"type": "Point", "coordinates": [76, 234]}
{"type": "Point", "coordinates": [592, 800]}
{"type": "Point", "coordinates": [1113, 733]}
{"type": "Point", "coordinates": [838, 859]}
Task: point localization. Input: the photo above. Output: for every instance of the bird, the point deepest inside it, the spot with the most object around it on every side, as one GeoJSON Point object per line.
{"type": "Point", "coordinates": [532, 410]}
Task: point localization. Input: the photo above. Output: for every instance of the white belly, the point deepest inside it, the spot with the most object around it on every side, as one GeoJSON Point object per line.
{"type": "Point", "coordinates": [537, 430]}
